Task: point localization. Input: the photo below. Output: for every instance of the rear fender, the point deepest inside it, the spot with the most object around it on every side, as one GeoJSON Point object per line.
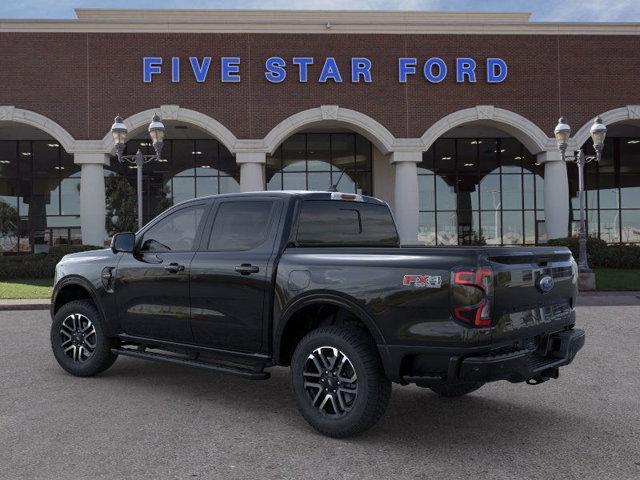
{"type": "Point", "coordinates": [324, 297]}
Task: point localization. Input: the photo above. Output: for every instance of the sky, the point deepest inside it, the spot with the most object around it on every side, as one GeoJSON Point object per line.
{"type": "Point", "coordinates": [542, 10]}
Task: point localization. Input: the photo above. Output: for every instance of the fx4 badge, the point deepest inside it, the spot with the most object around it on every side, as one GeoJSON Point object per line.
{"type": "Point", "coordinates": [423, 281]}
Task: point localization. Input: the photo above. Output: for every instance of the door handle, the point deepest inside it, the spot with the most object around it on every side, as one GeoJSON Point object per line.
{"type": "Point", "coordinates": [247, 269]}
{"type": "Point", "coordinates": [174, 268]}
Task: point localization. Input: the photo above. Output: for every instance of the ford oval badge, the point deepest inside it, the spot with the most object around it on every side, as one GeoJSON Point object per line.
{"type": "Point", "coordinates": [545, 284]}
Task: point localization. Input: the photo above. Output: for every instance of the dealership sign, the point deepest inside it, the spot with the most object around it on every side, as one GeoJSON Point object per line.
{"type": "Point", "coordinates": [310, 69]}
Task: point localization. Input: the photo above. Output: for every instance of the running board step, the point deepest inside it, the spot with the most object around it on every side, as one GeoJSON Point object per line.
{"type": "Point", "coordinates": [240, 372]}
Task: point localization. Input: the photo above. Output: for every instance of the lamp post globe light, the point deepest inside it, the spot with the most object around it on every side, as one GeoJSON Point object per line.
{"type": "Point", "coordinates": [562, 132]}
{"type": "Point", "coordinates": [156, 132]}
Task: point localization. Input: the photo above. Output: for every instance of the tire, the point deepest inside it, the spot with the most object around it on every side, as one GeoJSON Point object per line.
{"type": "Point", "coordinates": [78, 328]}
{"type": "Point", "coordinates": [456, 390]}
{"type": "Point", "coordinates": [358, 391]}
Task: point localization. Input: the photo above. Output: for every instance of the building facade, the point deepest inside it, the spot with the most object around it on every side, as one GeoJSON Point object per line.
{"type": "Point", "coordinates": [448, 117]}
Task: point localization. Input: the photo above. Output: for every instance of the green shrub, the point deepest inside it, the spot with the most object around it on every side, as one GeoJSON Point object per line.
{"type": "Point", "coordinates": [27, 266]}
{"type": "Point", "coordinates": [62, 250]}
{"type": "Point", "coordinates": [595, 247]}
{"type": "Point", "coordinates": [41, 265]}
{"type": "Point", "coordinates": [602, 255]}
{"type": "Point", "coordinates": [619, 256]}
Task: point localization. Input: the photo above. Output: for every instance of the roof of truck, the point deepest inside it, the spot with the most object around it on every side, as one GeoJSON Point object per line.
{"type": "Point", "coordinates": [308, 195]}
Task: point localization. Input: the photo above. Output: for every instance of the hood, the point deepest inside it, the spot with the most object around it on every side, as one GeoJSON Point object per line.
{"type": "Point", "coordinates": [89, 254]}
{"type": "Point", "coordinates": [83, 263]}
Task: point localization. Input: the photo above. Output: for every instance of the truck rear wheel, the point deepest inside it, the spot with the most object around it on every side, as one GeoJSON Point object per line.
{"type": "Point", "coordinates": [339, 381]}
{"type": "Point", "coordinates": [456, 390]}
{"type": "Point", "coordinates": [78, 339]}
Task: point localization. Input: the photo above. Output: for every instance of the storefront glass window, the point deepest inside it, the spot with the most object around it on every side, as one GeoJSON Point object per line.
{"type": "Point", "coordinates": [188, 169]}
{"type": "Point", "coordinates": [612, 192]}
{"type": "Point", "coordinates": [480, 191]}
{"type": "Point", "coordinates": [39, 196]}
{"type": "Point", "coordinates": [316, 161]}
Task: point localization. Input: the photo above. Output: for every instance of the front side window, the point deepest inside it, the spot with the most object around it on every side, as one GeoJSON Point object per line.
{"type": "Point", "coordinates": [176, 232]}
{"type": "Point", "coordinates": [240, 226]}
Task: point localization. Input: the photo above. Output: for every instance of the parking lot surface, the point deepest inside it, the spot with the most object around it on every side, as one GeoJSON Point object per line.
{"type": "Point", "coordinates": [150, 420]}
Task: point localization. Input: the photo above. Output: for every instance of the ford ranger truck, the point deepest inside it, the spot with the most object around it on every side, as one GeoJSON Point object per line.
{"type": "Point", "coordinates": [318, 282]}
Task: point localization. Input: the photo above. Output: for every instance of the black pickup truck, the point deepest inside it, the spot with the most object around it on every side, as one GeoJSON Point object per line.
{"type": "Point", "coordinates": [317, 281]}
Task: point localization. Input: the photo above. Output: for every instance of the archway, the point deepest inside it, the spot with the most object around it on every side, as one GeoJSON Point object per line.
{"type": "Point", "coordinates": [138, 123]}
{"type": "Point", "coordinates": [324, 147]}
{"type": "Point", "coordinates": [331, 116]}
{"type": "Point", "coordinates": [519, 127]}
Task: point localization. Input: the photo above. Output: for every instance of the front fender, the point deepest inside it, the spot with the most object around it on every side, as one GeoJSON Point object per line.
{"type": "Point", "coordinates": [79, 281]}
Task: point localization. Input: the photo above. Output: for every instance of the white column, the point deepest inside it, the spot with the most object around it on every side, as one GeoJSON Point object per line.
{"type": "Point", "coordinates": [92, 197]}
{"type": "Point", "coordinates": [405, 198]}
{"type": "Point", "coordinates": [251, 170]}
{"type": "Point", "coordinates": [384, 175]}
{"type": "Point", "coordinates": [556, 194]}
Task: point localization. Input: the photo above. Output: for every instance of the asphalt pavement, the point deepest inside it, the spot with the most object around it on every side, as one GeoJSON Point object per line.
{"type": "Point", "coordinates": [150, 420]}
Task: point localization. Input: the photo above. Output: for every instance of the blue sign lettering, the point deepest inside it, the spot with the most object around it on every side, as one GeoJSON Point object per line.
{"type": "Point", "coordinates": [428, 70]}
{"type": "Point", "coordinates": [276, 72]}
{"type": "Point", "coordinates": [230, 69]}
{"type": "Point", "coordinates": [465, 67]}
{"type": "Point", "coordinates": [406, 66]}
{"type": "Point", "coordinates": [200, 71]}
{"type": "Point", "coordinates": [303, 67]}
{"type": "Point", "coordinates": [175, 69]}
{"type": "Point", "coordinates": [496, 70]}
{"type": "Point", "coordinates": [360, 67]}
{"type": "Point", "coordinates": [330, 71]}
{"type": "Point", "coordinates": [150, 66]}
{"type": "Point", "coordinates": [434, 69]}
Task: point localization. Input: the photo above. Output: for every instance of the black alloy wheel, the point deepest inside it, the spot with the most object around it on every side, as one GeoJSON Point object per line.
{"type": "Point", "coordinates": [78, 340]}
{"type": "Point", "coordinates": [339, 381]}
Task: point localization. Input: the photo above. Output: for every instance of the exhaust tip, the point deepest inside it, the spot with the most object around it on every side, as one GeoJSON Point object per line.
{"type": "Point", "coordinates": [536, 381]}
{"type": "Point", "coordinates": [545, 375]}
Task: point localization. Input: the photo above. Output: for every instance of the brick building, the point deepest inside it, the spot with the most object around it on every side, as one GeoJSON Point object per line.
{"type": "Point", "coordinates": [449, 117]}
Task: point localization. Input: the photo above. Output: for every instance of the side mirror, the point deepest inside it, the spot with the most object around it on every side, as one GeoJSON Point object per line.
{"type": "Point", "coordinates": [123, 242]}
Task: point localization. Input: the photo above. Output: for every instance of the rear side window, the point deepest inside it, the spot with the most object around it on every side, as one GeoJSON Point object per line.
{"type": "Point", "coordinates": [240, 226]}
{"type": "Point", "coordinates": [333, 222]}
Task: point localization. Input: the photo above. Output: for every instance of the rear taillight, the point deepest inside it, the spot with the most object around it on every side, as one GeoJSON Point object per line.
{"type": "Point", "coordinates": [476, 291]}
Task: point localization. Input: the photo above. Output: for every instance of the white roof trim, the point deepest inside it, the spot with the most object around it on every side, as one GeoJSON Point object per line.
{"type": "Point", "coordinates": [312, 21]}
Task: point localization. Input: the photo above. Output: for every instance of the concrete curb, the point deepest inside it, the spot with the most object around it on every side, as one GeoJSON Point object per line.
{"type": "Point", "coordinates": [29, 304]}
{"type": "Point", "coordinates": [608, 299]}
{"type": "Point", "coordinates": [608, 293]}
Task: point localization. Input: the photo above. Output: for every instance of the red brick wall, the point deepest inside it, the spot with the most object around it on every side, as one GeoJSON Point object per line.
{"type": "Point", "coordinates": [82, 80]}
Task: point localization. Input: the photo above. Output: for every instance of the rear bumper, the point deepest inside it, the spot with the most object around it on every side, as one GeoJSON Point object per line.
{"type": "Point", "coordinates": [525, 365]}
{"type": "Point", "coordinates": [429, 366]}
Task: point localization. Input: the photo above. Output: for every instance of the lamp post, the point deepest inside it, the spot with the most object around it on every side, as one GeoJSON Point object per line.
{"type": "Point", "coordinates": [156, 132]}
{"type": "Point", "coordinates": [562, 133]}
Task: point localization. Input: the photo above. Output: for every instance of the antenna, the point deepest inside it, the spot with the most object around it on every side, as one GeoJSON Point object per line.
{"type": "Point", "coordinates": [334, 187]}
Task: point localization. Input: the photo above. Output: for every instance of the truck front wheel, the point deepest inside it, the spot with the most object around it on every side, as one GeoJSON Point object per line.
{"type": "Point", "coordinates": [338, 381]}
{"type": "Point", "coordinates": [78, 339]}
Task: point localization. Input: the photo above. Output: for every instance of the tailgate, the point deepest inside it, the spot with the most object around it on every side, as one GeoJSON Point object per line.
{"type": "Point", "coordinates": [535, 292]}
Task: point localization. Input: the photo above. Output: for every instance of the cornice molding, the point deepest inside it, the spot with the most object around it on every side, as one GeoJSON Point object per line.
{"type": "Point", "coordinates": [312, 22]}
